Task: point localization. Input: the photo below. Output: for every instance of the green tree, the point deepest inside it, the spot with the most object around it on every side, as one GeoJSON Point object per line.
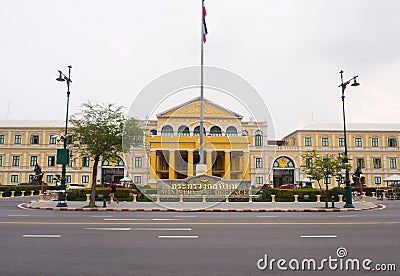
{"type": "Point", "coordinates": [320, 167]}
{"type": "Point", "coordinates": [132, 134]}
{"type": "Point", "coordinates": [99, 129]}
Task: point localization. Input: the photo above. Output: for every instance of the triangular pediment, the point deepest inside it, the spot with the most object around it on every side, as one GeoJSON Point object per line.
{"type": "Point", "coordinates": [191, 109]}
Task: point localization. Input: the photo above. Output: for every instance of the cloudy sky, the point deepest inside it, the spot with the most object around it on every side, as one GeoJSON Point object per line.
{"type": "Point", "coordinates": [291, 51]}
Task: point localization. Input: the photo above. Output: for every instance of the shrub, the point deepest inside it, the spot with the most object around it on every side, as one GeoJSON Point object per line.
{"type": "Point", "coordinates": [336, 191]}
{"type": "Point", "coordinates": [265, 195]}
{"type": "Point", "coordinates": [27, 188]}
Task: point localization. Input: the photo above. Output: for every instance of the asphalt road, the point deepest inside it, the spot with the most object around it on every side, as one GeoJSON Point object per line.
{"type": "Point", "coordinates": [36, 242]}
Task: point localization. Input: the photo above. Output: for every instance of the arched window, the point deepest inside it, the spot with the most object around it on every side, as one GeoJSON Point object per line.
{"type": "Point", "coordinates": [215, 131]}
{"type": "Point", "coordinates": [167, 130]}
{"type": "Point", "coordinates": [283, 162]}
{"type": "Point", "coordinates": [153, 132]}
{"type": "Point", "coordinates": [113, 161]}
{"type": "Point", "coordinates": [258, 139]}
{"type": "Point", "coordinates": [196, 130]}
{"type": "Point", "coordinates": [183, 131]}
{"type": "Point", "coordinates": [231, 131]}
{"type": "Point", "coordinates": [245, 133]}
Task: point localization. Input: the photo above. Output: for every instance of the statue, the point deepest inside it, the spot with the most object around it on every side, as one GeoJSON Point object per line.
{"type": "Point", "coordinates": [38, 174]}
{"type": "Point", "coordinates": [356, 176]}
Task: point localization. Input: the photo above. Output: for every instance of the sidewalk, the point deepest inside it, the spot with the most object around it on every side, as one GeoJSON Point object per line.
{"type": "Point", "coordinates": [371, 203]}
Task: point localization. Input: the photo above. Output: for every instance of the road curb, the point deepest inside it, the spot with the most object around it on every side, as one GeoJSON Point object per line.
{"type": "Point", "coordinates": [219, 210]}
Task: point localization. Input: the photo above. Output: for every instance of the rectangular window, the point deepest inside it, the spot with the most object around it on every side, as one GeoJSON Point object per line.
{"type": "Point", "coordinates": [51, 161]}
{"type": "Point", "coordinates": [358, 142]}
{"type": "Point", "coordinates": [15, 160]}
{"type": "Point", "coordinates": [259, 163]}
{"type": "Point", "coordinates": [17, 139]}
{"type": "Point", "coordinates": [375, 142]}
{"type": "Point", "coordinates": [14, 178]}
{"type": "Point", "coordinates": [31, 178]}
{"type": "Point", "coordinates": [1, 138]}
{"type": "Point", "coordinates": [137, 179]}
{"type": "Point", "coordinates": [33, 160]}
{"type": "Point", "coordinates": [307, 142]}
{"type": "Point", "coordinates": [341, 142]}
{"type": "Point", "coordinates": [360, 162]}
{"type": "Point", "coordinates": [85, 161]}
{"type": "Point", "coordinates": [377, 162]}
{"type": "Point", "coordinates": [327, 180]}
{"type": "Point", "coordinates": [68, 178]}
{"type": "Point", "coordinates": [309, 161]}
{"type": "Point", "coordinates": [392, 143]}
{"type": "Point", "coordinates": [53, 139]}
{"type": "Point", "coordinates": [378, 180]}
{"type": "Point", "coordinates": [138, 162]}
{"type": "Point", "coordinates": [35, 139]}
{"type": "Point", "coordinates": [85, 178]}
{"type": "Point", "coordinates": [1, 160]}
{"type": "Point", "coordinates": [49, 178]}
{"type": "Point", "coordinates": [259, 180]}
{"type": "Point", "coordinates": [258, 139]}
{"type": "Point", "coordinates": [325, 141]}
{"type": "Point", "coordinates": [393, 162]}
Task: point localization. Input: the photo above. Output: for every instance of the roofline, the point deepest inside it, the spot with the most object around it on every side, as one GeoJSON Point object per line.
{"type": "Point", "coordinates": [160, 115]}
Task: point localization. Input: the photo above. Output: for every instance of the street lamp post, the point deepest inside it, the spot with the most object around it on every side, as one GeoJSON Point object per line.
{"type": "Point", "coordinates": [349, 203]}
{"type": "Point", "coordinates": [62, 154]}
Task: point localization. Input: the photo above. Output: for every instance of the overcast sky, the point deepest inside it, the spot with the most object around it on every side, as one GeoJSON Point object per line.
{"type": "Point", "coordinates": [290, 51]}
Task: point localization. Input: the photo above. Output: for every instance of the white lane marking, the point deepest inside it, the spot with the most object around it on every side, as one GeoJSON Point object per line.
{"type": "Point", "coordinates": [21, 207]}
{"type": "Point", "coordinates": [347, 216]}
{"type": "Point", "coordinates": [102, 216]}
{"type": "Point", "coordinates": [319, 236]}
{"type": "Point", "coordinates": [41, 236]}
{"type": "Point", "coordinates": [134, 219]}
{"type": "Point", "coordinates": [19, 215]}
{"type": "Point", "coordinates": [184, 216]}
{"type": "Point", "coordinates": [382, 207]}
{"type": "Point", "coordinates": [156, 219]}
{"type": "Point", "coordinates": [162, 229]}
{"type": "Point", "coordinates": [109, 229]}
{"type": "Point", "coordinates": [268, 216]}
{"type": "Point", "coordinates": [178, 237]}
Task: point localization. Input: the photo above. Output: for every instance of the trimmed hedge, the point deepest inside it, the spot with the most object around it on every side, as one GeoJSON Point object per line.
{"type": "Point", "coordinates": [122, 194]}
{"type": "Point", "coordinates": [18, 188]}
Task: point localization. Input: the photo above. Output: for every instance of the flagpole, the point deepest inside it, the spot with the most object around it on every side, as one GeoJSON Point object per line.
{"type": "Point", "coordinates": [202, 87]}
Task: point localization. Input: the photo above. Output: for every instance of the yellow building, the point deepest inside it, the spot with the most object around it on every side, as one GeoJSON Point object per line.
{"type": "Point", "coordinates": [23, 144]}
{"type": "Point", "coordinates": [235, 150]}
{"type": "Point", "coordinates": [372, 147]}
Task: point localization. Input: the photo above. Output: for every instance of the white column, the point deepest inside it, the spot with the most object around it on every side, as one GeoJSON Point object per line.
{"type": "Point", "coordinates": [350, 141]}
{"type": "Point", "coordinates": [333, 142]}
{"type": "Point", "coordinates": [299, 140]}
{"type": "Point", "coordinates": [383, 142]}
{"type": "Point", "coordinates": [384, 167]}
{"type": "Point", "coordinates": [316, 141]}
{"type": "Point", "coordinates": [368, 162]}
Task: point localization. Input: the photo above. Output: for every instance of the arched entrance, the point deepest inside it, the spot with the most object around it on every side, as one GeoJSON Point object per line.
{"type": "Point", "coordinates": [112, 170]}
{"type": "Point", "coordinates": [283, 171]}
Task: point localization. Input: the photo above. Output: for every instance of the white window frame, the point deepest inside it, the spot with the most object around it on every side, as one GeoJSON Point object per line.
{"type": "Point", "coordinates": [137, 179]}
{"type": "Point", "coordinates": [85, 178]}
{"type": "Point", "coordinates": [392, 163]}
{"type": "Point", "coordinates": [308, 141]}
{"type": "Point", "coordinates": [14, 178]}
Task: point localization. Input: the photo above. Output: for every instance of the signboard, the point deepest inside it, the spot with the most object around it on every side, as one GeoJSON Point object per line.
{"type": "Point", "coordinates": [203, 185]}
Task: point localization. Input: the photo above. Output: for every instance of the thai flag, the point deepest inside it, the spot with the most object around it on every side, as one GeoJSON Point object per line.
{"type": "Point", "coordinates": [204, 24]}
